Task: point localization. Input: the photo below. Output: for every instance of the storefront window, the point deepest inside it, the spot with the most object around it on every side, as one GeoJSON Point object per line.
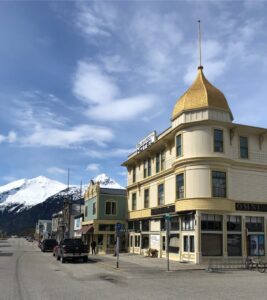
{"type": "Point", "coordinates": [188, 222]}
{"type": "Point", "coordinates": [110, 241]}
{"type": "Point", "coordinates": [211, 222]}
{"type": "Point", "coordinates": [234, 245]}
{"type": "Point", "coordinates": [192, 243]}
{"type": "Point", "coordinates": [145, 241]}
{"type": "Point", "coordinates": [255, 224]}
{"type": "Point", "coordinates": [137, 241]}
{"type": "Point", "coordinates": [131, 241]}
{"type": "Point", "coordinates": [174, 243]}
{"type": "Point", "coordinates": [256, 245]}
{"type": "Point", "coordinates": [211, 244]}
{"type": "Point", "coordinates": [233, 223]}
{"type": "Point", "coordinates": [175, 226]}
{"type": "Point", "coordinates": [164, 243]}
{"type": "Point", "coordinates": [186, 243]}
{"type": "Point", "coordinates": [106, 227]}
{"type": "Point", "coordinates": [145, 225]}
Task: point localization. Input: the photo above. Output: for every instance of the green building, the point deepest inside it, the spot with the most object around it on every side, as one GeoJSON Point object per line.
{"type": "Point", "coordinates": [105, 204]}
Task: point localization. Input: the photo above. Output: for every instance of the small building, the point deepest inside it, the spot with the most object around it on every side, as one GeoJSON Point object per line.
{"type": "Point", "coordinates": [43, 229]}
{"type": "Point", "coordinates": [105, 204]}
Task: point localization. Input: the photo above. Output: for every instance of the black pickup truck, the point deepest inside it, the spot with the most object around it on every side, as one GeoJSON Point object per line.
{"type": "Point", "coordinates": [72, 249]}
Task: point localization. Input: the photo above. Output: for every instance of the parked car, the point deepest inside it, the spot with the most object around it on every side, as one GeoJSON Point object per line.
{"type": "Point", "coordinates": [48, 245]}
{"type": "Point", "coordinates": [72, 249]}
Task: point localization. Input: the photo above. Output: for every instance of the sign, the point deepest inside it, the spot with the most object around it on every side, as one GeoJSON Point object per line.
{"type": "Point", "coordinates": [118, 226]}
{"type": "Point", "coordinates": [162, 210]}
{"type": "Point", "coordinates": [146, 142]}
{"type": "Point", "coordinates": [155, 241]}
{"type": "Point", "coordinates": [167, 217]}
{"type": "Point", "coordinates": [251, 207]}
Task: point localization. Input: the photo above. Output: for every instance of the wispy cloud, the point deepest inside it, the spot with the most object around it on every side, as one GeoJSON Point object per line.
{"type": "Point", "coordinates": [11, 137]}
{"type": "Point", "coordinates": [112, 153]}
{"type": "Point", "coordinates": [100, 91]}
{"type": "Point", "coordinates": [56, 170]}
{"type": "Point", "coordinates": [93, 167]}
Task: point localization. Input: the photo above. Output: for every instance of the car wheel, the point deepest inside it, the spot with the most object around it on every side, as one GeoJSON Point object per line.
{"type": "Point", "coordinates": [85, 259]}
{"type": "Point", "coordinates": [63, 260]}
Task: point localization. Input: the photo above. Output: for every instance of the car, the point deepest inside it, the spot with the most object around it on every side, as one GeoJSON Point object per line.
{"type": "Point", "coordinates": [72, 249]}
{"type": "Point", "coordinates": [48, 245]}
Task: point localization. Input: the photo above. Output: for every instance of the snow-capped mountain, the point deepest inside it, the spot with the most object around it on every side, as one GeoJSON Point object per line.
{"type": "Point", "coordinates": [25, 193]}
{"type": "Point", "coordinates": [106, 182]}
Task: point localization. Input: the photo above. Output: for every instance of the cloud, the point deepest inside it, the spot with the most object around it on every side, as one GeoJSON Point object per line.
{"type": "Point", "coordinates": [56, 170]}
{"type": "Point", "coordinates": [11, 137]}
{"type": "Point", "coordinates": [95, 19]}
{"type": "Point", "coordinates": [92, 85]}
{"type": "Point", "coordinates": [122, 109]}
{"type": "Point", "coordinates": [112, 153]}
{"type": "Point", "coordinates": [100, 92]}
{"type": "Point", "coordinates": [65, 138]}
{"type": "Point", "coordinates": [93, 167]}
{"type": "Point", "coordinates": [9, 178]}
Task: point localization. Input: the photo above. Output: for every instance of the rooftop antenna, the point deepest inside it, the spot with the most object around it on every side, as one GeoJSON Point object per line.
{"type": "Point", "coordinates": [199, 44]}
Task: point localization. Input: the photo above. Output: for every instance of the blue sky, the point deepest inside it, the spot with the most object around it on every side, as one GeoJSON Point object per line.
{"type": "Point", "coordinates": [82, 82]}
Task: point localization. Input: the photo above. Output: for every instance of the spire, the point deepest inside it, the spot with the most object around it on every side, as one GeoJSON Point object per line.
{"type": "Point", "coordinates": [199, 45]}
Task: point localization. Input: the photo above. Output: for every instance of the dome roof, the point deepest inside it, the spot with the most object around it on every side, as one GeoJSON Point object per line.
{"type": "Point", "coordinates": [201, 94]}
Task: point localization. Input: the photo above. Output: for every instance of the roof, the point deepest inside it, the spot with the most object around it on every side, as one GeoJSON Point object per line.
{"type": "Point", "coordinates": [112, 191]}
{"type": "Point", "coordinates": [202, 94]}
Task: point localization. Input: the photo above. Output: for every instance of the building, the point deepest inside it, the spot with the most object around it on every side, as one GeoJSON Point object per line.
{"type": "Point", "coordinates": [208, 173]}
{"type": "Point", "coordinates": [78, 226]}
{"type": "Point", "coordinates": [105, 206]}
{"type": "Point", "coordinates": [43, 229]}
{"type": "Point", "coordinates": [57, 227]}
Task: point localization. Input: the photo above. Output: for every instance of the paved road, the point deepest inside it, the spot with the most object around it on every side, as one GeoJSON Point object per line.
{"type": "Point", "coordinates": [28, 274]}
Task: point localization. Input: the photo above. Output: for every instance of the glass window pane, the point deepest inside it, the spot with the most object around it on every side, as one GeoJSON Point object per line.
{"type": "Point", "coordinates": [211, 244]}
{"type": "Point", "coordinates": [161, 194]}
{"type": "Point", "coordinates": [218, 140]}
{"type": "Point", "coordinates": [174, 243]}
{"type": "Point", "coordinates": [178, 145]}
{"type": "Point", "coordinates": [180, 186]}
{"type": "Point", "coordinates": [192, 243]}
{"type": "Point", "coordinates": [234, 245]}
{"type": "Point", "coordinates": [218, 184]}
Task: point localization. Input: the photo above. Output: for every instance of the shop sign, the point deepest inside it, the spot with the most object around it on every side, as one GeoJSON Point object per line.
{"type": "Point", "coordinates": [251, 207]}
{"type": "Point", "coordinates": [155, 241]}
{"type": "Point", "coordinates": [163, 210]}
{"type": "Point", "coordinates": [146, 142]}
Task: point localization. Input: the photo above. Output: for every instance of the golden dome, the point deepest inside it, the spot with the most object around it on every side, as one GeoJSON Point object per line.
{"type": "Point", "coordinates": [201, 94]}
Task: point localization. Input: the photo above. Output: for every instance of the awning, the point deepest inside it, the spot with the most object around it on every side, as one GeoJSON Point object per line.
{"type": "Point", "coordinates": [86, 229]}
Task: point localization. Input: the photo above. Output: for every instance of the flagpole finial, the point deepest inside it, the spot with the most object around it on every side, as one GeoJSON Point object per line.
{"type": "Point", "coordinates": [199, 45]}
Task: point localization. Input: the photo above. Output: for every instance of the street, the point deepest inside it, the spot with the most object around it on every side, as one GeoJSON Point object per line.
{"type": "Point", "coordinates": [28, 274]}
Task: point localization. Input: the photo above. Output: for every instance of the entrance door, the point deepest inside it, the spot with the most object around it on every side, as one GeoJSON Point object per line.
{"type": "Point", "coordinates": [134, 242]}
{"type": "Point", "coordinates": [188, 252]}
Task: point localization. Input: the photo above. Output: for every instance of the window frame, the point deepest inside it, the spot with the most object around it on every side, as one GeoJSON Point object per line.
{"type": "Point", "coordinates": [215, 141]}
{"type": "Point", "coordinates": [176, 187]}
{"type": "Point", "coordinates": [134, 204]}
{"type": "Point", "coordinates": [241, 147]}
{"type": "Point", "coordinates": [212, 184]}
{"type": "Point", "coordinates": [146, 204]}
{"type": "Point", "coordinates": [180, 147]}
{"type": "Point", "coordinates": [113, 204]}
{"type": "Point", "coordinates": [159, 200]}
{"type": "Point", "coordinates": [134, 174]}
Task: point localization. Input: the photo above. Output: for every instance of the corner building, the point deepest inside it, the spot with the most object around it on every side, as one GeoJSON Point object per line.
{"type": "Point", "coordinates": [209, 174]}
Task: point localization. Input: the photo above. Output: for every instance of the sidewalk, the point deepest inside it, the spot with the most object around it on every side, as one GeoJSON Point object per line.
{"type": "Point", "coordinates": [134, 263]}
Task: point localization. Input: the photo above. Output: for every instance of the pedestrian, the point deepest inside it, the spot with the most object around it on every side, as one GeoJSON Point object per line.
{"type": "Point", "coordinates": [93, 246]}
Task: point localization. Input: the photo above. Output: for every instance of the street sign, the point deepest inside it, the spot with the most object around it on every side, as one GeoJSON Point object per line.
{"type": "Point", "coordinates": [118, 226]}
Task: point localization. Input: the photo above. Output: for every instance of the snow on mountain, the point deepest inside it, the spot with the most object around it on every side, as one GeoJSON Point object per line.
{"type": "Point", "coordinates": [28, 192]}
{"type": "Point", "coordinates": [107, 182]}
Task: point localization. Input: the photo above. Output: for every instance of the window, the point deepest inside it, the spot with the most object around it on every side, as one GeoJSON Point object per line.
{"type": "Point", "coordinates": [163, 160]}
{"type": "Point", "coordinates": [175, 225]}
{"type": "Point", "coordinates": [233, 223]}
{"type": "Point", "coordinates": [234, 245]}
{"type": "Point", "coordinates": [106, 227]}
{"type": "Point", "coordinates": [157, 162]}
{"type": "Point", "coordinates": [131, 241]}
{"type": "Point", "coordinates": [86, 211]}
{"type": "Point", "coordinates": [137, 241]}
{"type": "Point", "coordinates": [188, 222]}
{"type": "Point", "coordinates": [134, 174]}
{"type": "Point", "coordinates": [146, 198]}
{"type": "Point", "coordinates": [186, 248]}
{"type": "Point", "coordinates": [218, 184]}
{"type": "Point", "coordinates": [218, 140]}
{"type": "Point", "coordinates": [211, 244]}
{"type": "Point", "coordinates": [145, 241]}
{"type": "Point", "coordinates": [145, 225]}
{"type": "Point", "coordinates": [94, 208]}
{"type": "Point", "coordinates": [174, 243]}
{"type": "Point", "coordinates": [164, 243]}
{"type": "Point", "coordinates": [180, 186]}
{"type": "Point", "coordinates": [130, 225]}
{"type": "Point", "coordinates": [192, 243]}
{"type": "Point", "coordinates": [161, 194]}
{"type": "Point", "coordinates": [145, 168]}
{"type": "Point", "coordinates": [256, 245]}
{"type": "Point", "coordinates": [149, 167]}
{"type": "Point", "coordinates": [243, 144]}
{"type": "Point", "coordinates": [160, 161]}
{"type": "Point", "coordinates": [134, 201]}
{"type": "Point", "coordinates": [111, 207]}
{"type": "Point", "coordinates": [179, 145]}
{"type": "Point", "coordinates": [211, 222]}
{"type": "Point", "coordinates": [255, 224]}
{"type": "Point", "coordinates": [162, 224]}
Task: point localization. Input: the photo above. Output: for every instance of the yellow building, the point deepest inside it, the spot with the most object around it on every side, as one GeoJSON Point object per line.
{"type": "Point", "coordinates": [208, 173]}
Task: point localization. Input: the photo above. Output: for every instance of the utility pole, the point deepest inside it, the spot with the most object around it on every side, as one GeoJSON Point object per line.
{"type": "Point", "coordinates": [167, 225]}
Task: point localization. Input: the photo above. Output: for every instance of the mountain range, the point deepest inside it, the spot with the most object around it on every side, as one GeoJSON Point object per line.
{"type": "Point", "coordinates": [24, 201]}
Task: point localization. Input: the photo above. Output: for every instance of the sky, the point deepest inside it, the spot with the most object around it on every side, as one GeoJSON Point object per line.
{"type": "Point", "coordinates": [81, 83]}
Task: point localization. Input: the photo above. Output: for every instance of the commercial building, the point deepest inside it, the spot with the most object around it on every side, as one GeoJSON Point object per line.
{"type": "Point", "coordinates": [208, 173]}
{"type": "Point", "coordinates": [43, 229]}
{"type": "Point", "coordinates": [105, 206]}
